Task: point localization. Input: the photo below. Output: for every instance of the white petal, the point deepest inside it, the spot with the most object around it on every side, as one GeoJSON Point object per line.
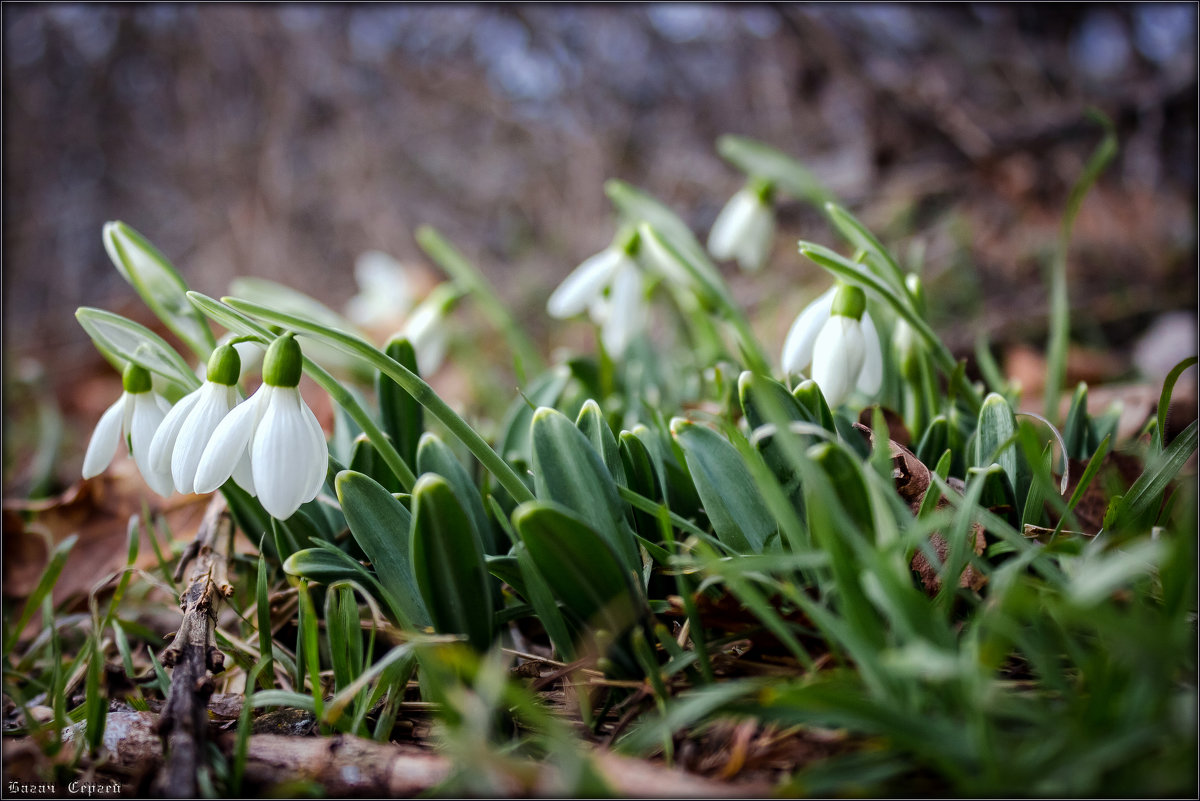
{"type": "Point", "coordinates": [426, 332]}
{"type": "Point", "coordinates": [320, 453]}
{"type": "Point", "coordinates": [584, 283]}
{"type": "Point", "coordinates": [626, 310]}
{"type": "Point", "coordinates": [106, 438]}
{"type": "Point", "coordinates": [798, 346]}
{"type": "Point", "coordinates": [243, 476]}
{"type": "Point", "coordinates": [148, 414]}
{"type": "Point", "coordinates": [756, 239]}
{"type": "Point", "coordinates": [730, 225]}
{"type": "Point", "coordinates": [385, 293]}
{"type": "Point", "coordinates": [163, 444]}
{"type": "Point", "coordinates": [228, 443]}
{"type": "Point", "coordinates": [838, 358]}
{"type": "Point", "coordinates": [282, 454]}
{"type": "Point", "coordinates": [871, 377]}
{"type": "Point", "coordinates": [216, 402]}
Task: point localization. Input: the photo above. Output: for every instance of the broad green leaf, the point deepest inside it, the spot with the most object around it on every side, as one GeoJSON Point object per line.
{"type": "Point", "coordinates": [813, 407]}
{"type": "Point", "coordinates": [162, 288]}
{"type": "Point", "coordinates": [731, 498]}
{"type": "Point", "coordinates": [448, 564]}
{"type": "Point", "coordinates": [758, 160]}
{"type": "Point", "coordinates": [848, 483]}
{"type": "Point", "coordinates": [135, 343]}
{"type": "Point", "coordinates": [764, 398]}
{"type": "Point", "coordinates": [381, 527]}
{"type": "Point", "coordinates": [435, 456]}
{"type": "Point", "coordinates": [579, 566]}
{"type": "Point", "coordinates": [366, 459]}
{"type": "Point", "coordinates": [403, 418]}
{"type": "Point", "coordinates": [995, 437]}
{"type": "Point", "coordinates": [541, 597]}
{"type": "Point", "coordinates": [545, 390]}
{"type": "Point", "coordinates": [568, 471]}
{"type": "Point", "coordinates": [642, 478]}
{"type": "Point", "coordinates": [941, 436]}
{"type": "Point", "coordinates": [326, 566]}
{"type": "Point", "coordinates": [593, 425]}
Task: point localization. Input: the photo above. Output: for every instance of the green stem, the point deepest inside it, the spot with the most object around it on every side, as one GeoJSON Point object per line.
{"type": "Point", "coordinates": [528, 360]}
{"type": "Point", "coordinates": [716, 294]}
{"type": "Point", "coordinates": [421, 392]}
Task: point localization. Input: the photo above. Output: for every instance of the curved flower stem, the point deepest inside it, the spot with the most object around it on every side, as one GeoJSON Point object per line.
{"type": "Point", "coordinates": [421, 392]}
{"type": "Point", "coordinates": [715, 293]}
{"type": "Point", "coordinates": [387, 451]}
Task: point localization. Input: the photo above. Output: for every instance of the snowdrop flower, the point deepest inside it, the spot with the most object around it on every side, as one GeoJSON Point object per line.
{"type": "Point", "coordinates": [426, 330]}
{"type": "Point", "coordinates": [609, 287]}
{"type": "Point", "coordinates": [836, 336]}
{"type": "Point", "coordinates": [187, 428]}
{"type": "Point", "coordinates": [384, 290]}
{"type": "Point", "coordinates": [287, 452]}
{"type": "Point", "coordinates": [745, 227]}
{"type": "Point", "coordinates": [132, 420]}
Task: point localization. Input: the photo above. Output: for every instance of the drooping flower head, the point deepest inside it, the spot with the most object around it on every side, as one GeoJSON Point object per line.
{"type": "Point", "coordinates": [836, 336]}
{"type": "Point", "coordinates": [385, 290]}
{"type": "Point", "coordinates": [609, 287]}
{"type": "Point", "coordinates": [132, 420]}
{"type": "Point", "coordinates": [745, 227]}
{"type": "Point", "coordinates": [288, 455]}
{"type": "Point", "coordinates": [188, 427]}
{"type": "Point", "coordinates": [426, 328]}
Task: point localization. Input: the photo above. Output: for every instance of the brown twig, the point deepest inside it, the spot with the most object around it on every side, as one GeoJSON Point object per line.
{"type": "Point", "coordinates": [194, 654]}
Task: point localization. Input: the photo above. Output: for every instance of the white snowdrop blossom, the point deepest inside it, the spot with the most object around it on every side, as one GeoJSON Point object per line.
{"type": "Point", "coordinates": [132, 420]}
{"type": "Point", "coordinates": [385, 292]}
{"type": "Point", "coordinates": [745, 227]}
{"type": "Point", "coordinates": [837, 338]}
{"type": "Point", "coordinates": [426, 328]}
{"type": "Point", "coordinates": [609, 287]}
{"type": "Point", "coordinates": [188, 427]}
{"type": "Point", "coordinates": [275, 429]}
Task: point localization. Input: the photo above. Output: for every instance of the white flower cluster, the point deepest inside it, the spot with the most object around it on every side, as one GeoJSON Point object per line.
{"type": "Point", "coordinates": [272, 445]}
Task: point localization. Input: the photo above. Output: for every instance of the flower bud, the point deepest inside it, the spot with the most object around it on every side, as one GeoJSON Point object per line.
{"type": "Point", "coordinates": [135, 379]}
{"type": "Point", "coordinates": [284, 363]}
{"type": "Point", "coordinates": [849, 301]}
{"type": "Point", "coordinates": [224, 365]}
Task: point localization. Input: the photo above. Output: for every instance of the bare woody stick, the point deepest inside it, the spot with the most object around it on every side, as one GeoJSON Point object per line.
{"type": "Point", "coordinates": [193, 654]}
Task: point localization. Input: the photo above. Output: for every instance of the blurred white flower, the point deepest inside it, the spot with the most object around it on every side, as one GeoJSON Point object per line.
{"type": "Point", "coordinates": [426, 329]}
{"type": "Point", "coordinates": [842, 350]}
{"type": "Point", "coordinates": [275, 429]}
{"type": "Point", "coordinates": [188, 427]}
{"type": "Point", "coordinates": [744, 228]}
{"type": "Point", "coordinates": [385, 292]}
{"type": "Point", "coordinates": [609, 287]}
{"type": "Point", "coordinates": [132, 420]}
